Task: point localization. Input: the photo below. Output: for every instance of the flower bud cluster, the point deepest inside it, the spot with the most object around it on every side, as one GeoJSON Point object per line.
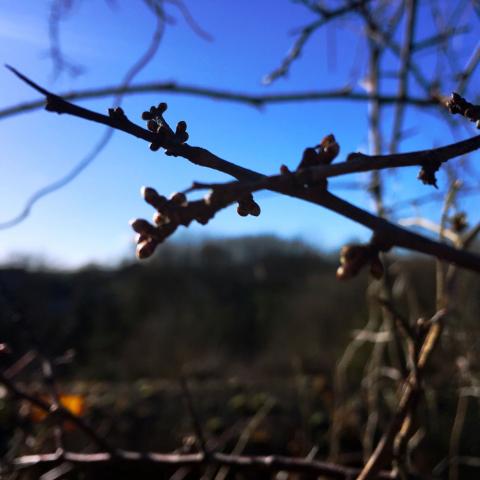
{"type": "Point", "coordinates": [248, 206]}
{"type": "Point", "coordinates": [170, 213]}
{"type": "Point", "coordinates": [166, 137]}
{"type": "Point", "coordinates": [356, 256]}
{"type": "Point", "coordinates": [456, 104]}
{"type": "Point", "coordinates": [322, 154]}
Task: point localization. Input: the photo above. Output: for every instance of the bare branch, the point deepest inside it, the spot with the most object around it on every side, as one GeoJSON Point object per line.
{"type": "Point", "coordinates": [406, 56]}
{"type": "Point", "coordinates": [390, 233]}
{"type": "Point", "coordinates": [254, 100]}
{"type": "Point", "coordinates": [270, 463]}
{"type": "Point", "coordinates": [305, 34]}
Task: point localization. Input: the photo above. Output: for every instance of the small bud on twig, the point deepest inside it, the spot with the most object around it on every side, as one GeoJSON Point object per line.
{"type": "Point", "coordinates": [181, 132]}
{"type": "Point", "coordinates": [152, 125]}
{"type": "Point", "coordinates": [456, 104]}
{"type": "Point", "coordinates": [117, 113]}
{"type": "Point", "coordinates": [427, 173]}
{"type": "Point", "coordinates": [323, 154]}
{"type": "Point", "coordinates": [328, 150]}
{"type": "Point", "coordinates": [248, 206]}
{"type": "Point", "coordinates": [178, 198]}
{"type": "Point", "coordinates": [151, 196]}
{"type": "Point", "coordinates": [143, 227]}
{"type": "Point", "coordinates": [354, 257]}
{"type": "Point", "coordinates": [160, 219]}
{"type": "Point", "coordinates": [145, 249]}
{"type": "Point", "coordinates": [242, 210]}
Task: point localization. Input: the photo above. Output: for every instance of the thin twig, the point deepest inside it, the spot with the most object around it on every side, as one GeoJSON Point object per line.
{"type": "Point", "coordinates": [199, 435]}
{"type": "Point", "coordinates": [253, 100]}
{"type": "Point", "coordinates": [407, 402]}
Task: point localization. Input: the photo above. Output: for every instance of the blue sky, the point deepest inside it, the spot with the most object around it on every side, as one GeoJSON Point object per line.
{"type": "Point", "coordinates": [88, 220]}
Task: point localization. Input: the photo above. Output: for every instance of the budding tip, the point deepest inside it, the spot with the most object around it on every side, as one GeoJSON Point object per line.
{"type": "Point", "coordinates": [341, 273]}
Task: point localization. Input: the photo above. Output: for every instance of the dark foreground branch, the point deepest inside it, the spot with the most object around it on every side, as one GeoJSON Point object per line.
{"type": "Point", "coordinates": [410, 394]}
{"type": "Point", "coordinates": [57, 410]}
{"type": "Point", "coordinates": [271, 463]}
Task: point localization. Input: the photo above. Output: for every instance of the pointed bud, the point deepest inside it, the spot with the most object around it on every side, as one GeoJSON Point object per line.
{"type": "Point", "coordinates": [329, 149]}
{"type": "Point", "coordinates": [254, 209]}
{"type": "Point", "coordinates": [152, 125]}
{"type": "Point", "coordinates": [352, 259]}
{"type": "Point", "coordinates": [178, 198]}
{"type": "Point", "coordinates": [209, 198]}
{"type": "Point", "coordinates": [145, 249]}
{"type": "Point", "coordinates": [160, 219]}
{"type": "Point", "coordinates": [181, 132]}
{"type": "Point", "coordinates": [181, 127]}
{"type": "Point", "coordinates": [141, 237]}
{"type": "Point", "coordinates": [342, 273]}
{"type": "Point", "coordinates": [143, 227]}
{"type": "Point", "coordinates": [151, 196]}
{"type": "Point", "coordinates": [116, 112]}
{"type": "Point", "coordinates": [242, 210]}
{"type": "Point", "coordinates": [147, 116]}
{"type": "Point", "coordinates": [309, 158]}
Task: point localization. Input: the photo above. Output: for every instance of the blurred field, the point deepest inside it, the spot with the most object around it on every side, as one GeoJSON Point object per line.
{"type": "Point", "coordinates": [257, 326]}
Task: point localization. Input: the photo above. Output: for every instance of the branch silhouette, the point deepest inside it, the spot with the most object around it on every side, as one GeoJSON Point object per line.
{"type": "Point", "coordinates": [389, 233]}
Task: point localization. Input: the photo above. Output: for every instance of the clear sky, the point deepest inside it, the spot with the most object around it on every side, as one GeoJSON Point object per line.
{"type": "Point", "coordinates": [88, 220]}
